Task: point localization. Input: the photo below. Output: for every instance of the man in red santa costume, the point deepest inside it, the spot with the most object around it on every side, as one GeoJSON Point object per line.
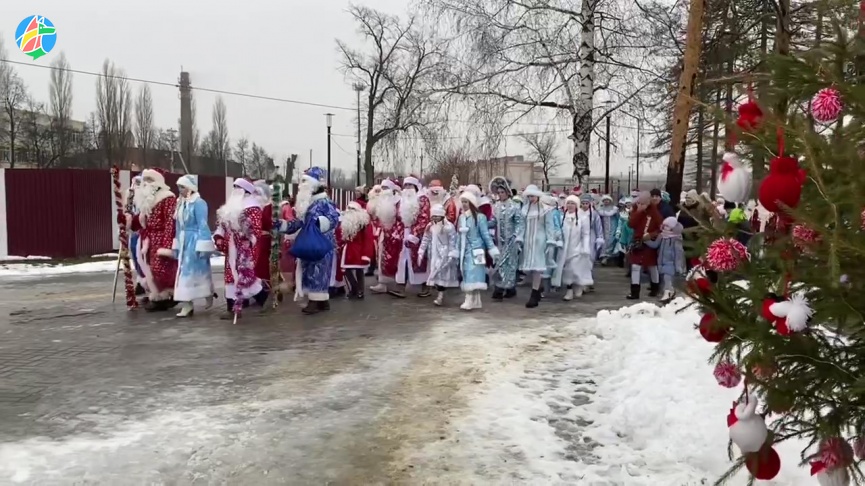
{"type": "Point", "coordinates": [354, 236]}
{"type": "Point", "coordinates": [413, 215]}
{"type": "Point", "coordinates": [383, 210]}
{"type": "Point", "coordinates": [154, 223]}
{"type": "Point", "coordinates": [238, 230]}
{"type": "Point", "coordinates": [439, 195]}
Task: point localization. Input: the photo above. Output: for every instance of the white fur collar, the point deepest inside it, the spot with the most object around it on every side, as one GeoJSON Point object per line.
{"type": "Point", "coordinates": [607, 211]}
{"type": "Point", "coordinates": [352, 222]}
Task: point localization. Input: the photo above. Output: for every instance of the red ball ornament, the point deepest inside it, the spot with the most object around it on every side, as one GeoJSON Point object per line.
{"type": "Point", "coordinates": [782, 187]}
{"type": "Point", "coordinates": [750, 116]}
{"type": "Point", "coordinates": [726, 254]}
{"type": "Point", "coordinates": [727, 374]}
{"type": "Point", "coordinates": [835, 452]}
{"type": "Point", "coordinates": [710, 330]}
{"type": "Point", "coordinates": [826, 105]}
{"type": "Point", "coordinates": [767, 303]}
{"type": "Point", "coordinates": [764, 464]}
{"type": "Point", "coordinates": [700, 285]}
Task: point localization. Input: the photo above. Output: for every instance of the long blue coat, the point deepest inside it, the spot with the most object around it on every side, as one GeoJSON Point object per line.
{"type": "Point", "coordinates": [193, 246]}
{"type": "Point", "coordinates": [314, 276]}
{"type": "Point", "coordinates": [475, 241]}
{"type": "Point", "coordinates": [509, 225]}
{"type": "Point", "coordinates": [540, 237]}
{"type": "Point", "coordinates": [671, 255]}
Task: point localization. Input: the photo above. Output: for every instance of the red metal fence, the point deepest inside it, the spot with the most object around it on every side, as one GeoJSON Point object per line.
{"type": "Point", "coordinates": [68, 213]}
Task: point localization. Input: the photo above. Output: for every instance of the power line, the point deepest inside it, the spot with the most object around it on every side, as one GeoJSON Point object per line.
{"type": "Point", "coordinates": [175, 85]}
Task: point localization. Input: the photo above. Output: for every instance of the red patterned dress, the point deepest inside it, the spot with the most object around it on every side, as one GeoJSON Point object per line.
{"type": "Point", "coordinates": [412, 231]}
{"type": "Point", "coordinates": [262, 246]}
{"type": "Point", "coordinates": [156, 258]}
{"type": "Point", "coordinates": [237, 240]}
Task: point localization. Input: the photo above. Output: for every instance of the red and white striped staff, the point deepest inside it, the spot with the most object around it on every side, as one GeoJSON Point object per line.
{"type": "Point", "coordinates": [131, 303]}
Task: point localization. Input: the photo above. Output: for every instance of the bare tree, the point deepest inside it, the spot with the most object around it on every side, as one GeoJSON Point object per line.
{"type": "Point", "coordinates": [511, 57]}
{"type": "Point", "coordinates": [114, 108]}
{"type": "Point", "coordinates": [38, 138]}
{"type": "Point", "coordinates": [196, 134]}
{"type": "Point", "coordinates": [220, 144]}
{"type": "Point", "coordinates": [542, 147]}
{"type": "Point", "coordinates": [241, 152]}
{"type": "Point", "coordinates": [60, 91]}
{"type": "Point", "coordinates": [397, 71]}
{"type": "Point", "coordinates": [145, 133]}
{"type": "Point", "coordinates": [13, 96]}
{"type": "Point", "coordinates": [259, 164]}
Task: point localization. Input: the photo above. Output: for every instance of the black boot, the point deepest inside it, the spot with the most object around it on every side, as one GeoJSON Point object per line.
{"type": "Point", "coordinates": [228, 315]}
{"type": "Point", "coordinates": [498, 294]}
{"type": "Point", "coordinates": [324, 305]}
{"type": "Point", "coordinates": [312, 307]}
{"type": "Point", "coordinates": [654, 289]}
{"type": "Point", "coordinates": [534, 299]}
{"type": "Point", "coordinates": [510, 293]}
{"type": "Point", "coordinates": [139, 290]}
{"type": "Point", "coordinates": [635, 292]}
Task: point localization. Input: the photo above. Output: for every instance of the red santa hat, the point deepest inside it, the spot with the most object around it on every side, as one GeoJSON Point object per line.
{"type": "Point", "coordinates": [245, 185]}
{"type": "Point", "coordinates": [577, 190]}
{"type": "Point", "coordinates": [410, 179]}
{"type": "Point", "coordinates": [388, 184]}
{"type": "Point", "coordinates": [354, 206]}
{"type": "Point", "coordinates": [435, 185]}
{"type": "Point", "coordinates": [155, 174]}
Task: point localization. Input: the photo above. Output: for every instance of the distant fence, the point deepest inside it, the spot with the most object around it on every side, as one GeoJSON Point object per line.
{"type": "Point", "coordinates": [70, 213]}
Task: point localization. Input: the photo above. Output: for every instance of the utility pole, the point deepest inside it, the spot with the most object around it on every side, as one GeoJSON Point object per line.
{"type": "Point", "coordinates": [329, 118]}
{"type": "Point", "coordinates": [607, 162]}
{"type": "Point", "coordinates": [172, 140]}
{"type": "Point", "coordinates": [359, 87]}
{"type": "Point", "coordinates": [639, 130]}
{"type": "Point", "coordinates": [310, 158]}
{"type": "Point", "coordinates": [630, 170]}
{"type": "Point", "coordinates": [421, 165]}
{"type": "Point", "coordinates": [186, 118]}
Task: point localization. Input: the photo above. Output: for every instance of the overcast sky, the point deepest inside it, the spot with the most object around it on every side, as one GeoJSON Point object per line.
{"type": "Point", "coordinates": [277, 49]}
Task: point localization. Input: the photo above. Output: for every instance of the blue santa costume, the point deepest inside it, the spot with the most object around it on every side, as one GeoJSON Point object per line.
{"type": "Point", "coordinates": [474, 243]}
{"type": "Point", "coordinates": [193, 245]}
{"type": "Point", "coordinates": [313, 207]}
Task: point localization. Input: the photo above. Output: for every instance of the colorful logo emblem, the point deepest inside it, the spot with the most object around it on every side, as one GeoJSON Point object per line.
{"type": "Point", "coordinates": [35, 36]}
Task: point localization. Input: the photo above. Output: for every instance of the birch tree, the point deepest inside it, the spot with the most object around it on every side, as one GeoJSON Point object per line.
{"type": "Point", "coordinates": [514, 57]}
{"type": "Point", "coordinates": [397, 66]}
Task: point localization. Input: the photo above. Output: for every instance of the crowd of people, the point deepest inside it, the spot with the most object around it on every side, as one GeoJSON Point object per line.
{"type": "Point", "coordinates": [409, 238]}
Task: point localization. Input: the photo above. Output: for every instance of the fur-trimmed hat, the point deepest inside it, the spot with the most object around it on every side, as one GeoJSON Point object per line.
{"type": "Point", "coordinates": [245, 185]}
{"type": "Point", "coordinates": [573, 198]}
{"type": "Point", "coordinates": [532, 190]}
{"type": "Point", "coordinates": [499, 182]}
{"type": "Point", "coordinates": [188, 181]}
{"type": "Point", "coordinates": [263, 188]}
{"type": "Point", "coordinates": [437, 210]}
{"type": "Point", "coordinates": [354, 206]}
{"type": "Point", "coordinates": [586, 198]}
{"type": "Point", "coordinates": [155, 174]}
{"type": "Point", "coordinates": [314, 176]}
{"type": "Point", "coordinates": [413, 181]}
{"type": "Point", "coordinates": [470, 197]}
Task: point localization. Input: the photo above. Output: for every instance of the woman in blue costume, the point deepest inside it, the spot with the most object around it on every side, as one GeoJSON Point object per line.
{"type": "Point", "coordinates": [193, 247]}
{"type": "Point", "coordinates": [538, 241]}
{"type": "Point", "coordinates": [509, 224]}
{"type": "Point", "coordinates": [474, 243]}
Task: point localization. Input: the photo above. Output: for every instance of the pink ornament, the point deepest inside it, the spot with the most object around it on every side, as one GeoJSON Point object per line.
{"type": "Point", "coordinates": [804, 237]}
{"type": "Point", "coordinates": [727, 374]}
{"type": "Point", "coordinates": [725, 255]}
{"type": "Point", "coordinates": [826, 105]}
{"type": "Point", "coordinates": [836, 452]}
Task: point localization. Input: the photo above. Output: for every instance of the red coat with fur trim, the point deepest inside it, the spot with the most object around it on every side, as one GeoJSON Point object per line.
{"type": "Point", "coordinates": [359, 250]}
{"type": "Point", "coordinates": [262, 244]}
{"type": "Point", "coordinates": [157, 235]}
{"type": "Point", "coordinates": [398, 237]}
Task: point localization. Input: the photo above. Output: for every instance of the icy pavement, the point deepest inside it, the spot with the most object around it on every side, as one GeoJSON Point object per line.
{"type": "Point", "coordinates": [383, 391]}
{"type": "Point", "coordinates": [14, 267]}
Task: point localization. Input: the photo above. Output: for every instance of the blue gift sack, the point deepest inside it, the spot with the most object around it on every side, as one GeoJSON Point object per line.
{"type": "Point", "coordinates": [311, 245]}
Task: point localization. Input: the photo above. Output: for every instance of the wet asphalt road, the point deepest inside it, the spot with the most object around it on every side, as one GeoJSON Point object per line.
{"type": "Point", "coordinates": [91, 393]}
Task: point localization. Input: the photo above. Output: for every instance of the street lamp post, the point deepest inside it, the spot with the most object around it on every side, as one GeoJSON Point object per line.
{"type": "Point", "coordinates": [329, 118]}
{"type": "Point", "coordinates": [358, 87]}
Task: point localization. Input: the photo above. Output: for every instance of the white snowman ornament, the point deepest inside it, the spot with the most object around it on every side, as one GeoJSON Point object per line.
{"type": "Point", "coordinates": [734, 181]}
{"type": "Point", "coordinates": [747, 428]}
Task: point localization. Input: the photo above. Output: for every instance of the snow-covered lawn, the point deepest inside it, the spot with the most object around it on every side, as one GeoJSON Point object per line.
{"type": "Point", "coordinates": [33, 269]}
{"type": "Point", "coordinates": [626, 398]}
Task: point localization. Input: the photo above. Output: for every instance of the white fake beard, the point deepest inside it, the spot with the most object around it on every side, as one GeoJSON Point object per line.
{"type": "Point", "coordinates": [146, 197]}
{"type": "Point", "coordinates": [352, 221]}
{"type": "Point", "coordinates": [231, 211]}
{"type": "Point", "coordinates": [304, 199]}
{"type": "Point", "coordinates": [384, 208]}
{"type": "Point", "coordinates": [409, 206]}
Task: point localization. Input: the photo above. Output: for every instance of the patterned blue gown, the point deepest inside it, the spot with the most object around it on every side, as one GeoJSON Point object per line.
{"type": "Point", "coordinates": [475, 241]}
{"type": "Point", "coordinates": [540, 238]}
{"type": "Point", "coordinates": [192, 246]}
{"type": "Point", "coordinates": [509, 225]}
{"type": "Point", "coordinates": [313, 277]}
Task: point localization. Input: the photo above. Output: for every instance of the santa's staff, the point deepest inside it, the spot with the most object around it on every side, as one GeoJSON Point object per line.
{"type": "Point", "coordinates": [123, 256]}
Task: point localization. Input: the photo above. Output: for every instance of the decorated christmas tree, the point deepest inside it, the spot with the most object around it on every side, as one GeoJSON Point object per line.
{"type": "Point", "coordinates": [787, 311]}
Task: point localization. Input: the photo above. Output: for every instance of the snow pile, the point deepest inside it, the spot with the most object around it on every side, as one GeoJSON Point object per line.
{"type": "Point", "coordinates": [29, 269]}
{"type": "Point", "coordinates": [14, 258]}
{"type": "Point", "coordinates": [626, 398]}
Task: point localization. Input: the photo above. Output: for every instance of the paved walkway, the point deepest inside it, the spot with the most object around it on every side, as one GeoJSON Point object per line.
{"type": "Point", "coordinates": [91, 392]}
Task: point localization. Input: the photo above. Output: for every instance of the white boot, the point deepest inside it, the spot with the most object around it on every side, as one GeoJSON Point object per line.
{"type": "Point", "coordinates": [477, 300]}
{"type": "Point", "coordinates": [668, 295]}
{"type": "Point", "coordinates": [440, 299]}
{"type": "Point", "coordinates": [186, 310]}
{"type": "Point", "coordinates": [569, 295]}
{"type": "Point", "coordinates": [208, 303]}
{"type": "Point", "coordinates": [379, 288]}
{"type": "Point", "coordinates": [578, 290]}
{"type": "Point", "coordinates": [467, 304]}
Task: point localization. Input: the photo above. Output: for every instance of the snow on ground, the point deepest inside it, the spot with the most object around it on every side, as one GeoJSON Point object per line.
{"type": "Point", "coordinates": [30, 269]}
{"type": "Point", "coordinates": [10, 258]}
{"type": "Point", "coordinates": [626, 398]}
